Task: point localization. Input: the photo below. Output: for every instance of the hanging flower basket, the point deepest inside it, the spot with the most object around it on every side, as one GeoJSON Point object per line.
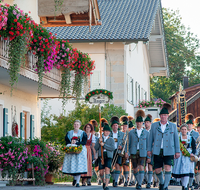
{"type": "Point", "coordinates": [98, 91]}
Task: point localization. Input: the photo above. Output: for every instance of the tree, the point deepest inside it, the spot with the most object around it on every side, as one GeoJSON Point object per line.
{"type": "Point", "coordinates": [84, 112]}
{"type": "Point", "coordinates": [181, 47]}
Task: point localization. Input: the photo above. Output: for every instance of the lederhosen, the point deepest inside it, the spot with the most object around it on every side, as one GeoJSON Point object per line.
{"type": "Point", "coordinates": [135, 158]}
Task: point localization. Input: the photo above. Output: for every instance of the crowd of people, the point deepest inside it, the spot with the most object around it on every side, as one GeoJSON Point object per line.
{"type": "Point", "coordinates": [152, 153]}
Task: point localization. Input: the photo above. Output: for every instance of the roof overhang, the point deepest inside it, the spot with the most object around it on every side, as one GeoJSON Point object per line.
{"type": "Point", "coordinates": [78, 13]}
{"type": "Point", "coordinates": [157, 48]}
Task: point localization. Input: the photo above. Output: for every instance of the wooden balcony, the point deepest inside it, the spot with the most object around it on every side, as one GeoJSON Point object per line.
{"type": "Point", "coordinates": [72, 13]}
{"type": "Point", "coordinates": [28, 78]}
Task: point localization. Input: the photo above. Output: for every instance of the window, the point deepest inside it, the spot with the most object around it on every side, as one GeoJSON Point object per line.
{"type": "Point", "coordinates": [139, 93]}
{"type": "Point", "coordinates": [130, 90]}
{"type": "Point", "coordinates": [136, 93]}
{"type": "Point", "coordinates": [96, 80]}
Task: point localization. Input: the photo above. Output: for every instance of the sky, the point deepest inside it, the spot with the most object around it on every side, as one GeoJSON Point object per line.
{"type": "Point", "coordinates": [189, 11]}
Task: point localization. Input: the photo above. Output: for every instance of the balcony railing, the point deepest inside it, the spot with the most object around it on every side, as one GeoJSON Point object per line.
{"type": "Point", "coordinates": [30, 64]}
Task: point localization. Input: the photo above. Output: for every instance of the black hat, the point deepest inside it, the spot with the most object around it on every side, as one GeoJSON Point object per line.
{"type": "Point", "coordinates": [189, 118]}
{"type": "Point", "coordinates": [130, 123]}
{"type": "Point", "coordinates": [166, 108]}
{"type": "Point", "coordinates": [139, 115]}
{"type": "Point", "coordinates": [106, 127]}
{"type": "Point", "coordinates": [148, 118]}
{"type": "Point", "coordinates": [123, 120]}
{"type": "Point", "coordinates": [114, 120]}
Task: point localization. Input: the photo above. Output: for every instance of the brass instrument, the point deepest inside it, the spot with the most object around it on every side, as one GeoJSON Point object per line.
{"type": "Point", "coordinates": [117, 154]}
{"type": "Point", "coordinates": [125, 142]}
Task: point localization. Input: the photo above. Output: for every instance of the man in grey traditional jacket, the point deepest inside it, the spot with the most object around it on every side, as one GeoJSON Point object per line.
{"type": "Point", "coordinates": [164, 145]}
{"type": "Point", "coordinates": [118, 136]}
{"type": "Point", "coordinates": [138, 140]}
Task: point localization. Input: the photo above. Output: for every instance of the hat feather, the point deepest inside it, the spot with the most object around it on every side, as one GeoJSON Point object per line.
{"type": "Point", "coordinates": [189, 116]}
{"type": "Point", "coordinates": [150, 116]}
{"type": "Point", "coordinates": [103, 120]}
{"type": "Point", "coordinates": [114, 118]}
{"type": "Point", "coordinates": [140, 113]}
{"type": "Point", "coordinates": [123, 118]}
{"type": "Point", "coordinates": [130, 118]}
{"type": "Point", "coordinates": [93, 122]}
{"type": "Point", "coordinates": [197, 120]}
{"type": "Point", "coordinates": [156, 120]}
{"type": "Point", "coordinates": [167, 106]}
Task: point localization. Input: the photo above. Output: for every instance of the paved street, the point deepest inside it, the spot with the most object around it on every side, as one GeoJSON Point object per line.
{"type": "Point", "coordinates": [68, 186]}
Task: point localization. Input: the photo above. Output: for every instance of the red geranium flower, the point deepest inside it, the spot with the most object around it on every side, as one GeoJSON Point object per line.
{"type": "Point", "coordinates": [74, 138]}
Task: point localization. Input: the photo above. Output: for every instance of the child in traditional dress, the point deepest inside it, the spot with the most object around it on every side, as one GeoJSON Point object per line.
{"type": "Point", "coordinates": [108, 145]}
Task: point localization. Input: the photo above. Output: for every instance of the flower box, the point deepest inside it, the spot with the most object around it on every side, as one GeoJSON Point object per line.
{"type": "Point", "coordinates": [72, 149]}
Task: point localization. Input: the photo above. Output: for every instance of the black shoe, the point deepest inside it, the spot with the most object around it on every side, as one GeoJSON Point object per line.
{"type": "Point", "coordinates": [148, 186]}
{"type": "Point", "coordinates": [99, 182]}
{"type": "Point", "coordinates": [115, 184]}
{"type": "Point", "coordinates": [106, 188]}
{"type": "Point", "coordinates": [196, 186]}
{"type": "Point", "coordinates": [126, 184]}
{"type": "Point", "coordinates": [161, 187]}
{"type": "Point", "coordinates": [139, 187]}
{"type": "Point", "coordinates": [88, 184]}
{"type": "Point", "coordinates": [104, 185]}
{"type": "Point", "coordinates": [130, 183]}
{"type": "Point", "coordinates": [74, 182]}
{"type": "Point", "coordinates": [77, 185]}
{"type": "Point", "coordinates": [166, 188]}
{"type": "Point", "coordinates": [121, 181]}
{"type": "Point", "coordinates": [83, 184]}
{"type": "Point", "coordinates": [154, 184]}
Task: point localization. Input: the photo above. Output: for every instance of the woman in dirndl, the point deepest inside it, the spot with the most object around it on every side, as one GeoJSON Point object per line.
{"type": "Point", "coordinates": [183, 167]}
{"type": "Point", "coordinates": [88, 128]}
{"type": "Point", "coordinates": [76, 164]}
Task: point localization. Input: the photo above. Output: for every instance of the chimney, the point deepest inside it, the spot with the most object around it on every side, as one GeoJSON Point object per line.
{"type": "Point", "coordinates": [185, 82]}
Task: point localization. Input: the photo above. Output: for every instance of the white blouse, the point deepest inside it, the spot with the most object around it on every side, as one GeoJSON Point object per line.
{"type": "Point", "coordinates": [93, 138]}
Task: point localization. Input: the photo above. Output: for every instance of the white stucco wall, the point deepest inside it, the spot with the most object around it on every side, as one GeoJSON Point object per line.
{"type": "Point", "coordinates": [115, 61]}
{"type": "Point", "coordinates": [137, 67]}
{"type": "Point", "coordinates": [26, 6]}
{"type": "Point", "coordinates": [23, 102]}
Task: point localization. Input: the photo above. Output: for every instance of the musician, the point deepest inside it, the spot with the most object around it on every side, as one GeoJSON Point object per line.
{"type": "Point", "coordinates": [197, 170]}
{"type": "Point", "coordinates": [108, 145]}
{"type": "Point", "coordinates": [124, 123]}
{"type": "Point", "coordinates": [189, 121]}
{"type": "Point", "coordinates": [155, 178]}
{"type": "Point", "coordinates": [138, 139]}
{"type": "Point", "coordinates": [130, 127]}
{"type": "Point", "coordinates": [164, 142]}
{"type": "Point", "coordinates": [147, 123]}
{"type": "Point", "coordinates": [183, 166]}
{"type": "Point", "coordinates": [118, 138]}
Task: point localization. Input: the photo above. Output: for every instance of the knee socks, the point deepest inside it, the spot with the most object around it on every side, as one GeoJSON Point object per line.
{"type": "Point", "coordinates": [167, 179]}
{"type": "Point", "coordinates": [160, 177]}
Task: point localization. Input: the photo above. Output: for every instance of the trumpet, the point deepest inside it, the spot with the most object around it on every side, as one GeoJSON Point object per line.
{"type": "Point", "coordinates": [117, 154]}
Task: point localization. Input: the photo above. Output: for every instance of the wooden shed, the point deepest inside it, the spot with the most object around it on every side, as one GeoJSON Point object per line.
{"type": "Point", "coordinates": [192, 99]}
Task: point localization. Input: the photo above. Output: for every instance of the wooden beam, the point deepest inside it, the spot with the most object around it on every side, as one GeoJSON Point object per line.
{"type": "Point", "coordinates": [43, 20]}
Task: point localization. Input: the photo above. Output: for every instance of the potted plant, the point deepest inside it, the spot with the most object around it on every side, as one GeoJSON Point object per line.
{"type": "Point", "coordinates": [55, 160]}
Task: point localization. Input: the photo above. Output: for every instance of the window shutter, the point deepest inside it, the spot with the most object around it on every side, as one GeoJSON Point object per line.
{"type": "Point", "coordinates": [5, 122]}
{"type": "Point", "coordinates": [32, 127]}
{"type": "Point", "coordinates": [96, 80]}
{"type": "Point", "coordinates": [22, 120]}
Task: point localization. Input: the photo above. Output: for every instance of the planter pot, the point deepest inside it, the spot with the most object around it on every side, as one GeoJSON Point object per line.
{"type": "Point", "coordinates": [49, 178]}
{"type": "Point", "coordinates": [3, 183]}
